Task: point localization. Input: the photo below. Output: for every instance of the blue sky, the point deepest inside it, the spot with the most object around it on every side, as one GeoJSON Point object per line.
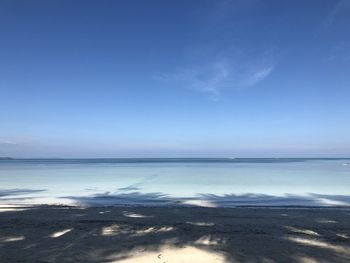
{"type": "Point", "coordinates": [175, 78]}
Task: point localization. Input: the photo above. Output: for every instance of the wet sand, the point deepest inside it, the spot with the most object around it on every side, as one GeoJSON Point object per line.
{"type": "Point", "coordinates": [174, 234]}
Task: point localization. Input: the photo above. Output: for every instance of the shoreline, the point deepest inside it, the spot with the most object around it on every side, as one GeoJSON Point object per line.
{"type": "Point", "coordinates": [38, 197]}
{"type": "Point", "coordinates": [38, 206]}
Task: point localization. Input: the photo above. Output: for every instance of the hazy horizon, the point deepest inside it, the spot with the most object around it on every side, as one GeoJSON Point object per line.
{"type": "Point", "coordinates": [175, 158]}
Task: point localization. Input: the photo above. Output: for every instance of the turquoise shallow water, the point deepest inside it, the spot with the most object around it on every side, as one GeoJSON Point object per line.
{"type": "Point", "coordinates": [222, 182]}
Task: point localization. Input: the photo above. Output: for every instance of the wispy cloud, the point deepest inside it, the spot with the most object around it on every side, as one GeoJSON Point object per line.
{"type": "Point", "coordinates": [340, 52]}
{"type": "Point", "coordinates": [208, 78]}
{"type": "Point", "coordinates": [7, 143]}
{"type": "Point", "coordinates": [230, 71]}
{"type": "Point", "coordinates": [259, 75]}
{"type": "Point", "coordinates": [225, 61]}
{"type": "Point", "coordinates": [339, 7]}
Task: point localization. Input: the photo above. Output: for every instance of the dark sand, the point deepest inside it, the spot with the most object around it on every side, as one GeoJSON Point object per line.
{"type": "Point", "coordinates": [164, 234]}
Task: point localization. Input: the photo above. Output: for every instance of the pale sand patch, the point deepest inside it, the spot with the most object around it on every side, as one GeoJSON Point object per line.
{"type": "Point", "coordinates": [327, 201]}
{"type": "Point", "coordinates": [207, 241]}
{"type": "Point", "coordinates": [152, 230]}
{"type": "Point", "coordinates": [11, 239]}
{"type": "Point", "coordinates": [11, 207]}
{"type": "Point", "coordinates": [302, 231]}
{"type": "Point", "coordinates": [200, 203]}
{"type": "Point", "coordinates": [321, 244]}
{"type": "Point", "coordinates": [306, 260]}
{"type": "Point", "coordinates": [200, 223]}
{"type": "Point", "coordinates": [134, 215]}
{"type": "Point", "coordinates": [326, 221]}
{"type": "Point", "coordinates": [345, 236]}
{"type": "Point", "coordinates": [61, 233]}
{"type": "Point", "coordinates": [114, 230]}
{"type": "Point", "coordinates": [111, 230]}
{"type": "Point", "coordinates": [171, 254]}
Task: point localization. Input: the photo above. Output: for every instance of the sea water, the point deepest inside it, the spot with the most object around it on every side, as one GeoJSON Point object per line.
{"type": "Point", "coordinates": [221, 181]}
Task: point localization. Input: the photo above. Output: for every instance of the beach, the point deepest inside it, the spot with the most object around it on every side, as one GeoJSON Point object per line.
{"type": "Point", "coordinates": [175, 210]}
{"type": "Point", "coordinates": [174, 234]}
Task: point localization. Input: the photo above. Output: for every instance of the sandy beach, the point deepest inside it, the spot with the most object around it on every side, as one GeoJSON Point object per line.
{"type": "Point", "coordinates": [174, 234]}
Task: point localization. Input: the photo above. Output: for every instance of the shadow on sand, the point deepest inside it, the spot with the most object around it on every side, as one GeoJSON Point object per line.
{"type": "Point", "coordinates": [211, 200]}
{"type": "Point", "coordinates": [130, 196]}
{"type": "Point", "coordinates": [166, 234]}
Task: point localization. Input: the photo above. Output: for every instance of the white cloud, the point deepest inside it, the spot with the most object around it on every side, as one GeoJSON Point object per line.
{"type": "Point", "coordinates": [259, 75]}
{"type": "Point", "coordinates": [230, 71]}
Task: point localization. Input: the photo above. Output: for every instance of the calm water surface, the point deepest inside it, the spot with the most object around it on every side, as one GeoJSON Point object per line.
{"type": "Point", "coordinates": [59, 179]}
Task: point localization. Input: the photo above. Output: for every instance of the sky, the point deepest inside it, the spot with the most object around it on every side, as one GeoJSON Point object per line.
{"type": "Point", "coordinates": [240, 78]}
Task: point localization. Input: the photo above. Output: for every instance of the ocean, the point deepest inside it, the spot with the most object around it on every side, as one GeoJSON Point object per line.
{"type": "Point", "coordinates": [224, 182]}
